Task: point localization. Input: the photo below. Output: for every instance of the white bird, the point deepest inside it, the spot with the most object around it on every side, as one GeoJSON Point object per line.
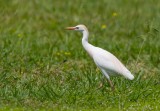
{"type": "Point", "coordinates": [105, 61]}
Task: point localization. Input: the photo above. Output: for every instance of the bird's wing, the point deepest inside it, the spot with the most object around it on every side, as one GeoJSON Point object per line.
{"type": "Point", "coordinates": [110, 63]}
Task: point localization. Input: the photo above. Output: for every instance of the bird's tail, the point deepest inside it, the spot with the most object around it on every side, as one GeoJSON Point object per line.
{"type": "Point", "coordinates": [129, 76]}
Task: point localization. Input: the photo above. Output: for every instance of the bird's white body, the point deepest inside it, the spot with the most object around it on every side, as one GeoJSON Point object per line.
{"type": "Point", "coordinates": [107, 62]}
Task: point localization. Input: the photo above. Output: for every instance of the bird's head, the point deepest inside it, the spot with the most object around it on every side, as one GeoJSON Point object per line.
{"type": "Point", "coordinates": [80, 28]}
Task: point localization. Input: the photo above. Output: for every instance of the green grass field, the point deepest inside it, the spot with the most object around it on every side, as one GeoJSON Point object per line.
{"type": "Point", "coordinates": [44, 67]}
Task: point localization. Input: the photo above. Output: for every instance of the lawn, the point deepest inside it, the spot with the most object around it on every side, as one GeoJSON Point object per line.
{"type": "Point", "coordinates": [44, 67]}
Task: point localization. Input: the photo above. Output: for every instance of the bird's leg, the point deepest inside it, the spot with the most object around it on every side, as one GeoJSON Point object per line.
{"type": "Point", "coordinates": [111, 84]}
{"type": "Point", "coordinates": [101, 84]}
{"type": "Point", "coordinates": [108, 79]}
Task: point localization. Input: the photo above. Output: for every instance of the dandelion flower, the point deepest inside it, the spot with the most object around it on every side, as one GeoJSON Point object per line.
{"type": "Point", "coordinates": [103, 26]}
{"type": "Point", "coordinates": [67, 53]}
{"type": "Point", "coordinates": [19, 35]}
{"type": "Point", "coordinates": [114, 14]}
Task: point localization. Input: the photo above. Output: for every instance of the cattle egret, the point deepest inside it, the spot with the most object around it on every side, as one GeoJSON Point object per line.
{"type": "Point", "coordinates": [105, 61]}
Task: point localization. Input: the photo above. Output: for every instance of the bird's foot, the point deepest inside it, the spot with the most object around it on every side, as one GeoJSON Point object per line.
{"type": "Point", "coordinates": [112, 88]}
{"type": "Point", "coordinates": [100, 85]}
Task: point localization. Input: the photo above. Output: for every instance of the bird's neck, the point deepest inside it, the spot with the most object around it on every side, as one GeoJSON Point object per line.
{"type": "Point", "coordinates": [87, 46]}
{"type": "Point", "coordinates": [85, 37]}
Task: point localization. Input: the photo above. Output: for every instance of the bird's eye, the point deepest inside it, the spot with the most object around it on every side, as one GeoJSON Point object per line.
{"type": "Point", "coordinates": [77, 27]}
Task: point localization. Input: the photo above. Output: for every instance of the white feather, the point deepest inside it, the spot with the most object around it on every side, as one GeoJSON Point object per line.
{"type": "Point", "coordinates": [106, 61]}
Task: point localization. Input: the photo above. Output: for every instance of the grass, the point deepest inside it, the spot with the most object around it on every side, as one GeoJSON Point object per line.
{"type": "Point", "coordinates": [44, 67]}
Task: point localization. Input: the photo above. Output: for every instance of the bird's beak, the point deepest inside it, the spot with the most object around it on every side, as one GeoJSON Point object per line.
{"type": "Point", "coordinates": [70, 28]}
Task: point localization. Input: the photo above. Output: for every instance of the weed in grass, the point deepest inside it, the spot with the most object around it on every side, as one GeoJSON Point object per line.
{"type": "Point", "coordinates": [44, 67]}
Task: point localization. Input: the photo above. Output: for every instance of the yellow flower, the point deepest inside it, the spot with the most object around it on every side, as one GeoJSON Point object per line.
{"type": "Point", "coordinates": [67, 53]}
{"type": "Point", "coordinates": [19, 35]}
{"type": "Point", "coordinates": [114, 14]}
{"type": "Point", "coordinates": [103, 26]}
